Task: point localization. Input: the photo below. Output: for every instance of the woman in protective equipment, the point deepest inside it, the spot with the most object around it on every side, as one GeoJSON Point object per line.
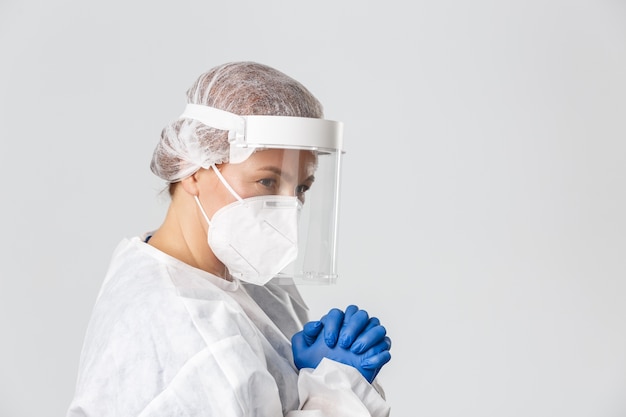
{"type": "Point", "coordinates": [201, 317]}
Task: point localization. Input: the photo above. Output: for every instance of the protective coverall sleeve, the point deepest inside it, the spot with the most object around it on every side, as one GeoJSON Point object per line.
{"type": "Point", "coordinates": [216, 382]}
{"type": "Point", "coordinates": [334, 389]}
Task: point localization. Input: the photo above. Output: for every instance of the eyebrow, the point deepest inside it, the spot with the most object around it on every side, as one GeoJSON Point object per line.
{"type": "Point", "coordinates": [280, 173]}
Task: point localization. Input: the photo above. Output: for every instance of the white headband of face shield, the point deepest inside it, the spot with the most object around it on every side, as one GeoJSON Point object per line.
{"type": "Point", "coordinates": [247, 133]}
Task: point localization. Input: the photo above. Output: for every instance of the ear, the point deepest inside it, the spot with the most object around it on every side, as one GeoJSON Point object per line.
{"type": "Point", "coordinates": [190, 184]}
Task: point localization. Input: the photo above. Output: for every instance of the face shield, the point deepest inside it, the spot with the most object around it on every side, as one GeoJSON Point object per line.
{"type": "Point", "coordinates": [303, 159]}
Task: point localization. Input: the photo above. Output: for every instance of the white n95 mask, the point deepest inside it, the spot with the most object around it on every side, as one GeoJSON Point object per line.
{"type": "Point", "coordinates": [255, 237]}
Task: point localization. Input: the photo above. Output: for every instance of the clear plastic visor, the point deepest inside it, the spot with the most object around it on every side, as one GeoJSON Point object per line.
{"type": "Point", "coordinates": [291, 156]}
{"type": "Point", "coordinates": [316, 262]}
{"type": "Point", "coordinates": [311, 176]}
{"type": "Point", "coordinates": [317, 233]}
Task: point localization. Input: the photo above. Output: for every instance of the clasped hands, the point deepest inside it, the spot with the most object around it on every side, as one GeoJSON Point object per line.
{"type": "Point", "coordinates": [351, 337]}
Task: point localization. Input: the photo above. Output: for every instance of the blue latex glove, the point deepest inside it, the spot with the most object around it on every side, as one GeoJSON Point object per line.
{"type": "Point", "coordinates": [367, 363]}
{"type": "Point", "coordinates": [343, 327]}
{"type": "Point", "coordinates": [353, 330]}
{"type": "Point", "coordinates": [363, 343]}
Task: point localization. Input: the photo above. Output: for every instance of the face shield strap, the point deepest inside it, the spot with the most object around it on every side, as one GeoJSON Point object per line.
{"type": "Point", "coordinates": [247, 133]}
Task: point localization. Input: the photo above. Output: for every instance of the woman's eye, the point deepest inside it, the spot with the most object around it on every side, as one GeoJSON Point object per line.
{"type": "Point", "coordinates": [267, 183]}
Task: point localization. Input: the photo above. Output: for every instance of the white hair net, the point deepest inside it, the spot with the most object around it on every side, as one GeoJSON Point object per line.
{"type": "Point", "coordinates": [243, 88]}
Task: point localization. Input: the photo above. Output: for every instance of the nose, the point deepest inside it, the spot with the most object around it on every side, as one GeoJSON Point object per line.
{"type": "Point", "coordinates": [288, 188]}
{"type": "Point", "coordinates": [292, 190]}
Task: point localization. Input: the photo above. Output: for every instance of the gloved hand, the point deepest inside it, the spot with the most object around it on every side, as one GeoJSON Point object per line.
{"type": "Point", "coordinates": [353, 330]}
{"type": "Point", "coordinates": [363, 343]}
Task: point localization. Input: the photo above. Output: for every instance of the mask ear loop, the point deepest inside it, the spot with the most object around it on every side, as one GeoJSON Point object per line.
{"type": "Point", "coordinates": [228, 187]}
{"type": "Point", "coordinates": [202, 210]}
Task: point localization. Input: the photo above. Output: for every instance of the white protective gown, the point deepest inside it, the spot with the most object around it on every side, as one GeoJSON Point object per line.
{"type": "Point", "coordinates": [166, 339]}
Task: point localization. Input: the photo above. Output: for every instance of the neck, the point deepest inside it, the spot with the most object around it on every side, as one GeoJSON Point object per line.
{"type": "Point", "coordinates": [183, 235]}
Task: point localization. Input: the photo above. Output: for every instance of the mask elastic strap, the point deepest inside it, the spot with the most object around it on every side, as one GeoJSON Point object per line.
{"type": "Point", "coordinates": [227, 185]}
{"type": "Point", "coordinates": [202, 210]}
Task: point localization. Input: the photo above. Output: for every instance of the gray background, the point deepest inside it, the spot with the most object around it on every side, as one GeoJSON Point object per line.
{"type": "Point", "coordinates": [483, 199]}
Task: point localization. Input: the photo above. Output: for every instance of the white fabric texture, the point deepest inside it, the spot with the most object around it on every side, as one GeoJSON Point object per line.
{"type": "Point", "coordinates": [166, 339]}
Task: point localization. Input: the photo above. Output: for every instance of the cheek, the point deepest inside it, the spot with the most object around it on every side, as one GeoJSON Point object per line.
{"type": "Point", "coordinates": [218, 199]}
{"type": "Point", "coordinates": [245, 189]}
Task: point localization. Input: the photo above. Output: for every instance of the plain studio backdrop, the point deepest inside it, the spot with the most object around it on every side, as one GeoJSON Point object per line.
{"type": "Point", "coordinates": [483, 202]}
